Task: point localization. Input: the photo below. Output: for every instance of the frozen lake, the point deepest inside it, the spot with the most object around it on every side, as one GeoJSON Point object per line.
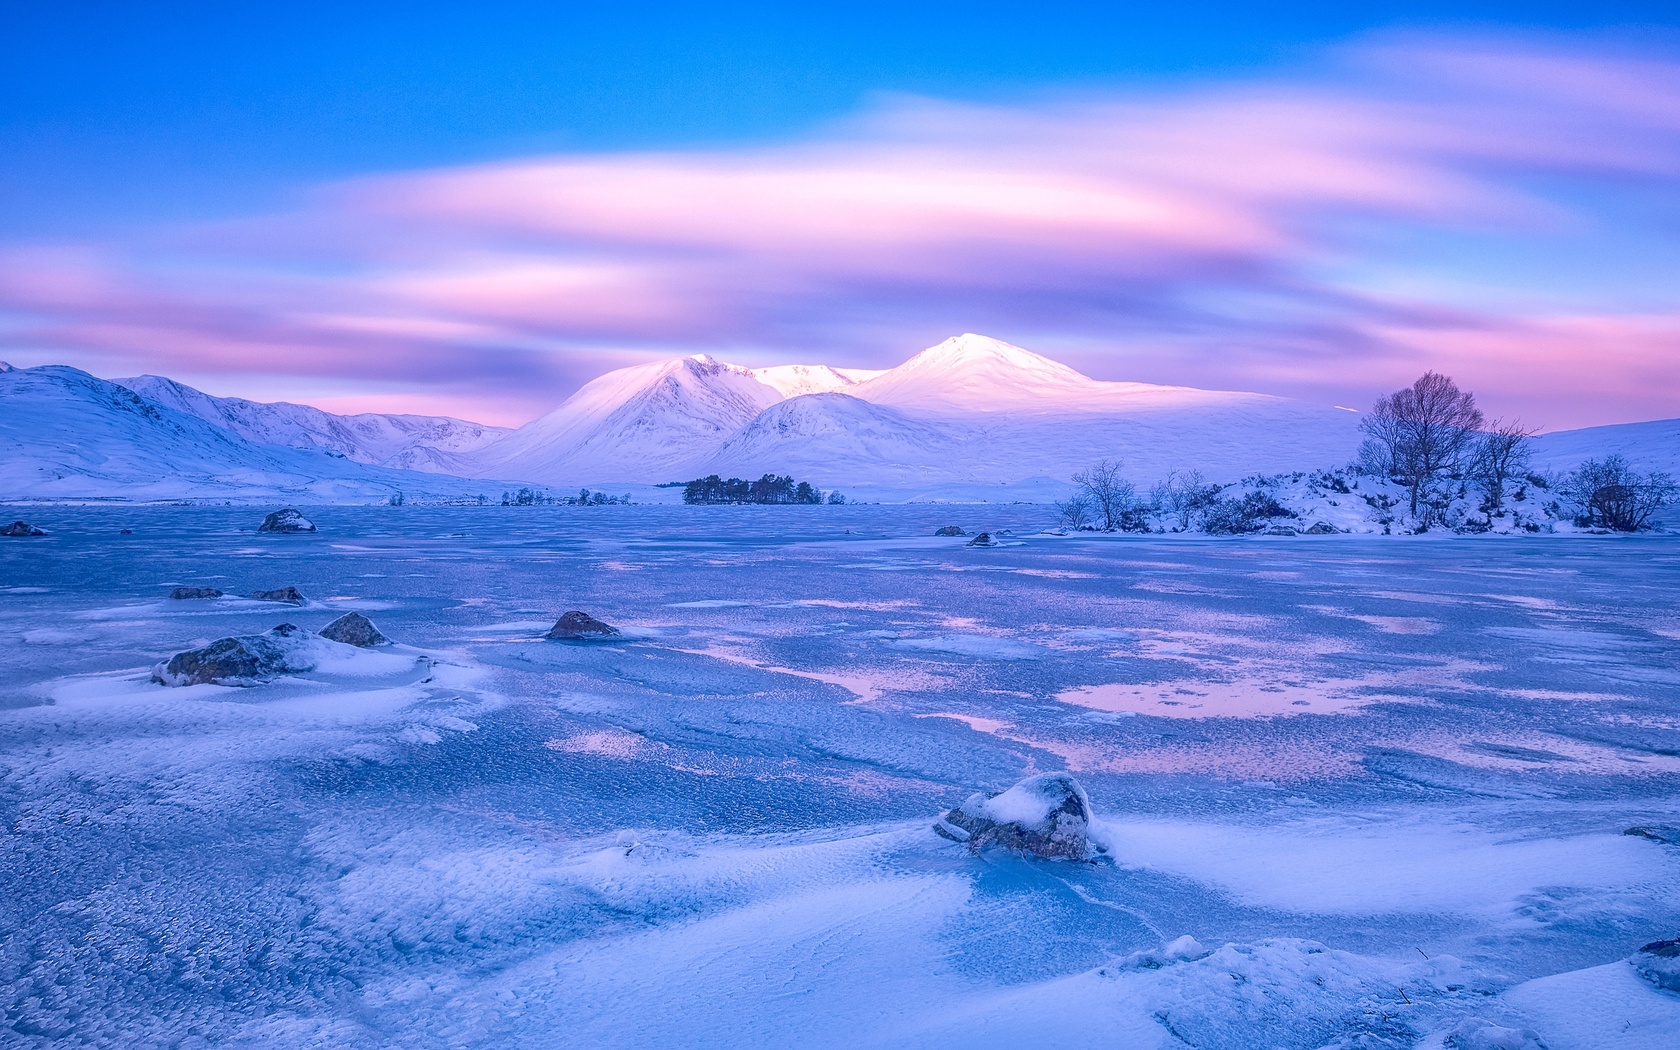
{"type": "Point", "coordinates": [1382, 782]}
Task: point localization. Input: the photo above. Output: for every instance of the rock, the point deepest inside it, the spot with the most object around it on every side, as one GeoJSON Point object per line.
{"type": "Point", "coordinates": [1659, 963]}
{"type": "Point", "coordinates": [983, 540]}
{"type": "Point", "coordinates": [21, 528]}
{"type": "Point", "coordinates": [287, 520]}
{"type": "Point", "coordinates": [1279, 530]}
{"type": "Point", "coordinates": [1473, 1033]}
{"type": "Point", "coordinates": [1323, 528]}
{"type": "Point", "coordinates": [950, 530]}
{"type": "Point", "coordinates": [125, 532]}
{"type": "Point", "coordinates": [289, 595]}
{"type": "Point", "coordinates": [183, 593]}
{"type": "Point", "coordinates": [245, 660]}
{"type": "Point", "coordinates": [1046, 816]}
{"type": "Point", "coordinates": [1664, 833]}
{"type": "Point", "coordinates": [579, 626]}
{"type": "Point", "coordinates": [354, 629]}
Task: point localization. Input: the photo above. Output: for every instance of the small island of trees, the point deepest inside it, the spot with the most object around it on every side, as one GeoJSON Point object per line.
{"type": "Point", "coordinates": [767, 489]}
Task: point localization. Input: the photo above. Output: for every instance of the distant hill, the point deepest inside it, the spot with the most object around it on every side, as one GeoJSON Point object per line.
{"type": "Point", "coordinates": [428, 443]}
{"type": "Point", "coordinates": [65, 434]}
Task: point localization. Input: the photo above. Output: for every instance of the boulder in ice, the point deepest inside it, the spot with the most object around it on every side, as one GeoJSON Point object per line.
{"type": "Point", "coordinates": [286, 520]}
{"type": "Point", "coordinates": [1323, 528]}
{"type": "Point", "coordinates": [983, 540]}
{"type": "Point", "coordinates": [289, 595]}
{"type": "Point", "coordinates": [245, 660]}
{"type": "Point", "coordinates": [1473, 1033]}
{"type": "Point", "coordinates": [1664, 833]}
{"type": "Point", "coordinates": [354, 629]}
{"type": "Point", "coordinates": [1659, 963]}
{"type": "Point", "coordinates": [184, 593]}
{"type": "Point", "coordinates": [950, 530]}
{"type": "Point", "coordinates": [21, 528]}
{"type": "Point", "coordinates": [1047, 815]}
{"type": "Point", "coordinates": [578, 626]}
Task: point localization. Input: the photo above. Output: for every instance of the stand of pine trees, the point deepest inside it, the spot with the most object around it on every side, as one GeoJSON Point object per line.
{"type": "Point", "coordinates": [768, 489]}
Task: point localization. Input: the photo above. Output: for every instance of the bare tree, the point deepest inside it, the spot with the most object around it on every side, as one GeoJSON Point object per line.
{"type": "Point", "coordinates": [1616, 496]}
{"type": "Point", "coordinates": [1182, 494]}
{"type": "Point", "coordinates": [1421, 433]}
{"type": "Point", "coordinates": [1075, 511]}
{"type": "Point", "coordinates": [1112, 496]}
{"type": "Point", "coordinates": [1501, 453]}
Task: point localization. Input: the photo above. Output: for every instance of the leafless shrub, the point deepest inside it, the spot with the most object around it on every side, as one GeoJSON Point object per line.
{"type": "Point", "coordinates": [1614, 495]}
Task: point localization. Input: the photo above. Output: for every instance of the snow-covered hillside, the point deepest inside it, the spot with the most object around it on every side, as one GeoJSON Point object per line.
{"type": "Point", "coordinates": [428, 443]}
{"type": "Point", "coordinates": [1646, 446]}
{"type": "Point", "coordinates": [65, 434]}
{"type": "Point", "coordinates": [647, 423]}
{"type": "Point", "coordinates": [970, 411]}
{"type": "Point", "coordinates": [838, 437]}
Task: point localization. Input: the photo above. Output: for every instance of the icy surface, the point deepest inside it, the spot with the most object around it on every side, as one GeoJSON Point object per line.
{"type": "Point", "coordinates": [715, 830]}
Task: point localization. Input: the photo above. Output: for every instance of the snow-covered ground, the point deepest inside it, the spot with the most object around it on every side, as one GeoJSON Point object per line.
{"type": "Point", "coordinates": [1380, 785]}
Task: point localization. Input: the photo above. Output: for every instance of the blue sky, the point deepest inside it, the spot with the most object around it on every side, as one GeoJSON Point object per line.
{"type": "Point", "coordinates": [475, 208]}
{"type": "Point", "coordinates": [131, 112]}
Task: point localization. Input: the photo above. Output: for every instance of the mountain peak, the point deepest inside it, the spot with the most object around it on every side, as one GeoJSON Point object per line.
{"type": "Point", "coordinates": [976, 373]}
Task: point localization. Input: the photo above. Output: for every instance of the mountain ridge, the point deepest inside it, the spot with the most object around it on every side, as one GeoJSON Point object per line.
{"type": "Point", "coordinates": [417, 442]}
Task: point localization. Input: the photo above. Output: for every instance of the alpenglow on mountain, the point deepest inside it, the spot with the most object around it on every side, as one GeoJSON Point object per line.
{"type": "Point", "coordinates": [971, 418]}
{"type": "Point", "coordinates": [971, 411]}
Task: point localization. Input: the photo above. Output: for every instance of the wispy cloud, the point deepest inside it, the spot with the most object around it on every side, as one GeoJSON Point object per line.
{"type": "Point", "coordinates": [1303, 235]}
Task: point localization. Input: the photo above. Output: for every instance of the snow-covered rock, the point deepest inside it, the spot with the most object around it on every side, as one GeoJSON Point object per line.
{"type": "Point", "coordinates": [243, 660]}
{"type": "Point", "coordinates": [189, 593]}
{"type": "Point", "coordinates": [288, 520]}
{"type": "Point", "coordinates": [984, 539]}
{"type": "Point", "coordinates": [950, 530]}
{"type": "Point", "coordinates": [288, 595]}
{"type": "Point", "coordinates": [21, 528]}
{"type": "Point", "coordinates": [1666, 833]}
{"type": "Point", "coordinates": [1659, 963]}
{"type": "Point", "coordinates": [1047, 815]}
{"type": "Point", "coordinates": [579, 626]}
{"type": "Point", "coordinates": [354, 629]}
{"type": "Point", "coordinates": [1474, 1033]}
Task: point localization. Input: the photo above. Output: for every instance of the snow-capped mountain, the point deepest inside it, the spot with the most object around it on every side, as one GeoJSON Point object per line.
{"type": "Point", "coordinates": [65, 434]}
{"type": "Point", "coordinates": [646, 423]}
{"type": "Point", "coordinates": [969, 418]}
{"type": "Point", "coordinates": [837, 437]}
{"type": "Point", "coordinates": [970, 411]}
{"type": "Point", "coordinates": [794, 380]}
{"type": "Point", "coordinates": [429, 443]}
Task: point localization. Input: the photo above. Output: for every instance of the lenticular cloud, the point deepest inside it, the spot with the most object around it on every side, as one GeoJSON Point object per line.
{"type": "Point", "coordinates": [1239, 233]}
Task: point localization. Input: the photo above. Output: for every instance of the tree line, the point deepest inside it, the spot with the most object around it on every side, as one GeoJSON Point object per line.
{"type": "Point", "coordinates": [529, 497]}
{"type": "Point", "coordinates": [770, 488]}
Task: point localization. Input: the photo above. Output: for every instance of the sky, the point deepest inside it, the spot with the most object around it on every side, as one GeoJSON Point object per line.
{"type": "Point", "coordinates": [475, 209]}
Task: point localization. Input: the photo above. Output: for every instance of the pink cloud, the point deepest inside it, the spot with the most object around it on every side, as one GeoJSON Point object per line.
{"type": "Point", "coordinates": [1172, 236]}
